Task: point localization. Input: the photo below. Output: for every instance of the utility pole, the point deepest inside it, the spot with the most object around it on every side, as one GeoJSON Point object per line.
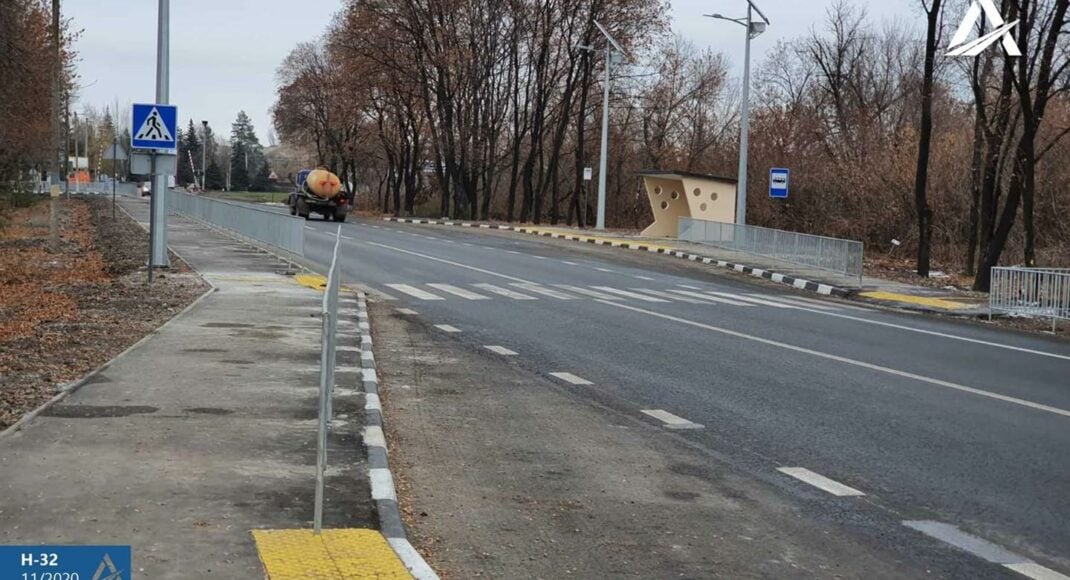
{"type": "Point", "coordinates": [75, 151]}
{"type": "Point", "coordinates": [611, 45]}
{"type": "Point", "coordinates": [204, 157]}
{"type": "Point", "coordinates": [67, 146]}
{"type": "Point", "coordinates": [158, 253]}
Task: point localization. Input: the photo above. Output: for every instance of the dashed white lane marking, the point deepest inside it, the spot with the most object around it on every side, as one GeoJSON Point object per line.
{"type": "Point", "coordinates": [540, 257]}
{"type": "Point", "coordinates": [627, 294]}
{"type": "Point", "coordinates": [415, 292]}
{"type": "Point", "coordinates": [668, 296]}
{"type": "Point", "coordinates": [588, 292]}
{"type": "Point", "coordinates": [447, 328]}
{"type": "Point", "coordinates": [571, 378]}
{"type": "Point", "coordinates": [466, 294]}
{"type": "Point", "coordinates": [348, 238]}
{"type": "Point", "coordinates": [647, 278]}
{"type": "Point", "coordinates": [984, 549]}
{"type": "Point", "coordinates": [702, 296]}
{"type": "Point", "coordinates": [606, 270]}
{"type": "Point", "coordinates": [504, 292]}
{"type": "Point", "coordinates": [310, 228]}
{"type": "Point", "coordinates": [690, 287]}
{"type": "Point", "coordinates": [671, 421]}
{"type": "Point", "coordinates": [513, 252]}
{"type": "Point", "coordinates": [848, 361]}
{"type": "Point", "coordinates": [569, 263]}
{"type": "Point", "coordinates": [407, 311]}
{"type": "Point", "coordinates": [820, 481]}
{"type": "Point", "coordinates": [748, 299]}
{"type": "Point", "coordinates": [537, 289]}
{"type": "Point", "coordinates": [500, 350]}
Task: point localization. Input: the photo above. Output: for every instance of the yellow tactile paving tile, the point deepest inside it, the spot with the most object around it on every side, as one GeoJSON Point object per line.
{"type": "Point", "coordinates": [606, 240]}
{"type": "Point", "coordinates": [920, 300]}
{"type": "Point", "coordinates": [314, 281]}
{"type": "Point", "coordinates": [334, 555]}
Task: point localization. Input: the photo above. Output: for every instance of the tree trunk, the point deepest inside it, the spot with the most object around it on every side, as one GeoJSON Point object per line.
{"type": "Point", "coordinates": [921, 203]}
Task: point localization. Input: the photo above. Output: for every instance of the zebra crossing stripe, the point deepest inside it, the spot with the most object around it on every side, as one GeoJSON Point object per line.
{"type": "Point", "coordinates": [588, 292]}
{"type": "Point", "coordinates": [748, 299]}
{"type": "Point", "coordinates": [627, 294]}
{"type": "Point", "coordinates": [535, 288]}
{"type": "Point", "coordinates": [466, 294]}
{"type": "Point", "coordinates": [709, 298]}
{"type": "Point", "coordinates": [667, 296]}
{"type": "Point", "coordinates": [504, 292]}
{"type": "Point", "coordinates": [415, 292]}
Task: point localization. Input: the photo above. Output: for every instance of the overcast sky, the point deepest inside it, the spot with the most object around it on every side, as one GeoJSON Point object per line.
{"type": "Point", "coordinates": [224, 52]}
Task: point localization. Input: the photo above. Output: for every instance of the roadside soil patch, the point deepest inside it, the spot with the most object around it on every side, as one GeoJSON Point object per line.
{"type": "Point", "coordinates": [73, 294]}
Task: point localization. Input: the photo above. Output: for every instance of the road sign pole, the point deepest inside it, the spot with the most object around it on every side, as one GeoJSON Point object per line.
{"type": "Point", "coordinates": [153, 204]}
{"type": "Point", "coordinates": [159, 182]}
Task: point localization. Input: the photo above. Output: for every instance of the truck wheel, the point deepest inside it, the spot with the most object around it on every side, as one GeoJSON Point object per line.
{"type": "Point", "coordinates": [302, 208]}
{"type": "Point", "coordinates": [339, 217]}
{"type": "Point", "coordinates": [293, 209]}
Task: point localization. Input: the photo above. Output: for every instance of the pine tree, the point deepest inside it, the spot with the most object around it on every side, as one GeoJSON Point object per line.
{"type": "Point", "coordinates": [242, 131]}
{"type": "Point", "coordinates": [239, 172]}
{"type": "Point", "coordinates": [262, 179]}
{"type": "Point", "coordinates": [214, 179]}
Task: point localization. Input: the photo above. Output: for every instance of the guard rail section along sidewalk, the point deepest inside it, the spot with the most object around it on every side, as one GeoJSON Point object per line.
{"type": "Point", "coordinates": [1037, 292]}
{"type": "Point", "coordinates": [278, 230]}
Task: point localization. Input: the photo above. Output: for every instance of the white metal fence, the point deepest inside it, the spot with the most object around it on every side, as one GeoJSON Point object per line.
{"type": "Point", "coordinates": [833, 255]}
{"type": "Point", "coordinates": [1039, 292]}
{"type": "Point", "coordinates": [328, 352]}
{"type": "Point", "coordinates": [276, 229]}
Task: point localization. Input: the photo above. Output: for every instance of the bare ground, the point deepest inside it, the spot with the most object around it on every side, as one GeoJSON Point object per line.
{"type": "Point", "coordinates": [73, 294]}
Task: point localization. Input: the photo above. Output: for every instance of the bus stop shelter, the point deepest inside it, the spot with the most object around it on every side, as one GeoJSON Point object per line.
{"type": "Point", "coordinates": [677, 194]}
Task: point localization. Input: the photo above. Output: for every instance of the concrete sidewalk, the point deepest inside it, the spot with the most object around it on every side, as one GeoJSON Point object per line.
{"type": "Point", "coordinates": [205, 432]}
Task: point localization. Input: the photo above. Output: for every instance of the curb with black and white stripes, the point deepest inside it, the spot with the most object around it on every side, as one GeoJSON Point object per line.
{"type": "Point", "coordinates": [384, 493]}
{"type": "Point", "coordinates": [798, 283]}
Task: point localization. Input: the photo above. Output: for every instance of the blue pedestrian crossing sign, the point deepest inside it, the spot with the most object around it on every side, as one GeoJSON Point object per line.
{"type": "Point", "coordinates": [778, 183]}
{"type": "Point", "coordinates": [155, 127]}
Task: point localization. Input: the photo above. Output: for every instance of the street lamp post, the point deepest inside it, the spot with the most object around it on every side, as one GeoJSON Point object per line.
{"type": "Point", "coordinates": [754, 29]}
{"type": "Point", "coordinates": [611, 45]}
{"type": "Point", "coordinates": [204, 157]}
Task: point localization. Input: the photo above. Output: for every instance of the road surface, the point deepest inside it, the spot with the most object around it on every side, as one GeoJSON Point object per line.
{"type": "Point", "coordinates": [941, 433]}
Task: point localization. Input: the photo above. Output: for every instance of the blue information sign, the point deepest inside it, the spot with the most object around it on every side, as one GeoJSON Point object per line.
{"type": "Point", "coordinates": [83, 562]}
{"type": "Point", "coordinates": [155, 127]}
{"type": "Point", "coordinates": [778, 183]}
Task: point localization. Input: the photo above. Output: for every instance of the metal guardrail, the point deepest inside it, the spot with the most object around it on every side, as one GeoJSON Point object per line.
{"type": "Point", "coordinates": [275, 229]}
{"type": "Point", "coordinates": [1040, 292]}
{"type": "Point", "coordinates": [834, 255]}
{"type": "Point", "coordinates": [328, 352]}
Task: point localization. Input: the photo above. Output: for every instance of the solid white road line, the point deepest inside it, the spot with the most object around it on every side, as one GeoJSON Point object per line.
{"type": "Point", "coordinates": [450, 262]}
{"type": "Point", "coordinates": [571, 378]}
{"type": "Point", "coordinates": [709, 298]}
{"type": "Point", "coordinates": [587, 292]}
{"type": "Point", "coordinates": [984, 549]}
{"type": "Point", "coordinates": [849, 361]}
{"type": "Point", "coordinates": [752, 300]}
{"type": "Point", "coordinates": [447, 328]}
{"type": "Point", "coordinates": [537, 289]}
{"type": "Point", "coordinates": [504, 292]}
{"type": "Point", "coordinates": [407, 311]}
{"type": "Point", "coordinates": [669, 296]}
{"type": "Point", "coordinates": [466, 294]}
{"type": "Point", "coordinates": [671, 421]}
{"type": "Point", "coordinates": [627, 294]}
{"type": "Point", "coordinates": [820, 481]}
{"type": "Point", "coordinates": [500, 350]}
{"type": "Point", "coordinates": [414, 292]}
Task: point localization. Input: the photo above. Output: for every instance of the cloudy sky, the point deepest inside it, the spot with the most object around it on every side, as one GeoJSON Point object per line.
{"type": "Point", "coordinates": [224, 52]}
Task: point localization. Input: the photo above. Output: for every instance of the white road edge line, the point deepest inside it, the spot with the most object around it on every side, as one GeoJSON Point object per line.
{"type": "Point", "coordinates": [571, 378]}
{"type": "Point", "coordinates": [849, 361]}
{"type": "Point", "coordinates": [820, 481]}
{"type": "Point", "coordinates": [671, 421]}
{"type": "Point", "coordinates": [500, 350]}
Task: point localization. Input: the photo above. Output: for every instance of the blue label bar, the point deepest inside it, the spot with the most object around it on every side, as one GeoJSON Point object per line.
{"type": "Point", "coordinates": [65, 562]}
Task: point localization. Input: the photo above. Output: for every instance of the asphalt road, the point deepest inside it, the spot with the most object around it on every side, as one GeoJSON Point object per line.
{"type": "Point", "coordinates": [934, 421]}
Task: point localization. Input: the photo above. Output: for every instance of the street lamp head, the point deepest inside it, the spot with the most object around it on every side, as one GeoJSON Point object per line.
{"type": "Point", "coordinates": [205, 123]}
{"type": "Point", "coordinates": [757, 28]}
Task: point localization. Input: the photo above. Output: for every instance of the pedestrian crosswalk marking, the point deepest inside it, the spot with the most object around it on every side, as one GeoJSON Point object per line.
{"type": "Point", "coordinates": [537, 289]}
{"type": "Point", "coordinates": [466, 294]}
{"type": "Point", "coordinates": [437, 291]}
{"type": "Point", "coordinates": [504, 292]}
{"type": "Point", "coordinates": [627, 294]}
{"type": "Point", "coordinates": [415, 292]}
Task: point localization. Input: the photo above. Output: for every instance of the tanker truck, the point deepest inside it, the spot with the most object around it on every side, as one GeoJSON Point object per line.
{"type": "Point", "coordinates": [318, 191]}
